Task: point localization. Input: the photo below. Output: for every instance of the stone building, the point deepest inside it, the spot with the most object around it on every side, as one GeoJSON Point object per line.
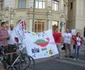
{"type": "Point", "coordinates": [39, 15]}
{"type": "Point", "coordinates": [76, 15]}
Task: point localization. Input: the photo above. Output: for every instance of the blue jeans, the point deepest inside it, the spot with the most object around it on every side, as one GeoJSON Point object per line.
{"type": "Point", "coordinates": [76, 52]}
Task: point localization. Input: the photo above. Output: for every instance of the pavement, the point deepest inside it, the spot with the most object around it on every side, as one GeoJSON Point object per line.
{"type": "Point", "coordinates": [52, 63]}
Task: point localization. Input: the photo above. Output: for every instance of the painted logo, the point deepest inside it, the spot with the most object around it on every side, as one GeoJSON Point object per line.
{"type": "Point", "coordinates": [42, 43]}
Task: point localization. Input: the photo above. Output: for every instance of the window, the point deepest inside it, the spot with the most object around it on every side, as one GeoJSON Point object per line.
{"type": "Point", "coordinates": [31, 3]}
{"type": "Point", "coordinates": [71, 5]}
{"type": "Point", "coordinates": [39, 25]}
{"type": "Point", "coordinates": [1, 5]}
{"type": "Point", "coordinates": [21, 3]}
{"type": "Point", "coordinates": [40, 4]}
{"type": "Point", "coordinates": [55, 6]}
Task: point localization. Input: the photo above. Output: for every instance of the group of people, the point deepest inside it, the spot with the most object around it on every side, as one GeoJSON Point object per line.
{"type": "Point", "coordinates": [69, 41]}
{"type": "Point", "coordinates": [6, 41]}
{"type": "Point", "coordinates": [66, 39]}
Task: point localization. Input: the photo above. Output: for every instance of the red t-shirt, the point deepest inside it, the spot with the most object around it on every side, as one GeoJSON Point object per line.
{"type": "Point", "coordinates": [57, 37]}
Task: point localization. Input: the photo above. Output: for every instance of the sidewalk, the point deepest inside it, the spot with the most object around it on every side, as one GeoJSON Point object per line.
{"type": "Point", "coordinates": [60, 64]}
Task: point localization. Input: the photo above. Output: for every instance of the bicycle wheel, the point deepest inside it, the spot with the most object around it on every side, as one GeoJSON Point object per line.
{"type": "Point", "coordinates": [24, 62]}
{"type": "Point", "coordinates": [2, 65]}
{"type": "Point", "coordinates": [16, 66]}
{"type": "Point", "coordinates": [12, 68]}
{"type": "Point", "coordinates": [32, 64]}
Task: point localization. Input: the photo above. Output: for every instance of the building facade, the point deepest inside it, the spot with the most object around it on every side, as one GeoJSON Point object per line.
{"type": "Point", "coordinates": [1, 10]}
{"type": "Point", "coordinates": [76, 15]}
{"type": "Point", "coordinates": [39, 15]}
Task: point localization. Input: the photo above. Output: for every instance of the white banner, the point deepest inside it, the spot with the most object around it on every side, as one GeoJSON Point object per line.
{"type": "Point", "coordinates": [40, 45]}
{"type": "Point", "coordinates": [73, 31]}
{"type": "Point", "coordinates": [18, 34]}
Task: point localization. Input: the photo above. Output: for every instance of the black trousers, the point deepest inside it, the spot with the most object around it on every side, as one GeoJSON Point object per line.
{"type": "Point", "coordinates": [11, 57]}
{"type": "Point", "coordinates": [3, 49]}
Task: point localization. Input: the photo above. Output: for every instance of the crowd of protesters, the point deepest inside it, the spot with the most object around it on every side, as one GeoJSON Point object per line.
{"type": "Point", "coordinates": [68, 41]}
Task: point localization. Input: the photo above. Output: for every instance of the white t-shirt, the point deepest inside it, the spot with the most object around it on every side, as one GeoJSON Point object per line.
{"type": "Point", "coordinates": [10, 40]}
{"type": "Point", "coordinates": [67, 38]}
{"type": "Point", "coordinates": [78, 41]}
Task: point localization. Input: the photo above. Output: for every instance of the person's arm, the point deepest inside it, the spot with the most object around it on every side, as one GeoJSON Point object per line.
{"type": "Point", "coordinates": [0, 36]}
{"type": "Point", "coordinates": [62, 39]}
{"type": "Point", "coordinates": [7, 37]}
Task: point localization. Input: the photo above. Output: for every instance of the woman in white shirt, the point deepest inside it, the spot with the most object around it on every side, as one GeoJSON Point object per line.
{"type": "Point", "coordinates": [78, 43]}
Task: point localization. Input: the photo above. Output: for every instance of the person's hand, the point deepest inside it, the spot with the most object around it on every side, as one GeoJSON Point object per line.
{"type": "Point", "coordinates": [5, 37]}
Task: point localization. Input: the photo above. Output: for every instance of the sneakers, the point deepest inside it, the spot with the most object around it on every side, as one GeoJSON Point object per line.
{"type": "Point", "coordinates": [77, 59]}
{"type": "Point", "coordinates": [74, 59]}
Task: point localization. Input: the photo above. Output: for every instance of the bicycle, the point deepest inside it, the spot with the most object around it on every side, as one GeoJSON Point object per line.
{"type": "Point", "coordinates": [22, 61]}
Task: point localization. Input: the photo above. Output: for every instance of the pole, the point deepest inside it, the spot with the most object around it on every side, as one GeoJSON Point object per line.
{"type": "Point", "coordinates": [9, 15]}
{"type": "Point", "coordinates": [33, 26]}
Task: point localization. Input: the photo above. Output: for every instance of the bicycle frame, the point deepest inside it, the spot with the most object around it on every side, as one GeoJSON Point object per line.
{"type": "Point", "coordinates": [19, 56]}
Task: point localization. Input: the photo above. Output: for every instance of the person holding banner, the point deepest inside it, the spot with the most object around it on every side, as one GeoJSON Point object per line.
{"type": "Point", "coordinates": [11, 44]}
{"type": "Point", "coordinates": [57, 37]}
{"type": "Point", "coordinates": [4, 36]}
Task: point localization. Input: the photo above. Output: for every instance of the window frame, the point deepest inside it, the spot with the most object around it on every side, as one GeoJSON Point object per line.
{"type": "Point", "coordinates": [20, 1]}
{"type": "Point", "coordinates": [43, 6]}
{"type": "Point", "coordinates": [71, 5]}
{"type": "Point", "coordinates": [57, 5]}
{"type": "Point", "coordinates": [39, 25]}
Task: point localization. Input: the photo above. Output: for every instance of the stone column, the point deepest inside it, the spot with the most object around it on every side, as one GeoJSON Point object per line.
{"type": "Point", "coordinates": [63, 28]}
{"type": "Point", "coordinates": [49, 19]}
{"type": "Point", "coordinates": [30, 24]}
{"type": "Point", "coordinates": [0, 5]}
{"type": "Point", "coordinates": [59, 26]}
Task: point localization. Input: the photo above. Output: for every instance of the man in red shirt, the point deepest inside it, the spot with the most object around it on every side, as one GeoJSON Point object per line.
{"type": "Point", "coordinates": [57, 37]}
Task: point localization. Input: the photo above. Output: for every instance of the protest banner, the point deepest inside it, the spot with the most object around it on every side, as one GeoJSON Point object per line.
{"type": "Point", "coordinates": [40, 45]}
{"type": "Point", "coordinates": [73, 31]}
{"type": "Point", "coordinates": [18, 33]}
